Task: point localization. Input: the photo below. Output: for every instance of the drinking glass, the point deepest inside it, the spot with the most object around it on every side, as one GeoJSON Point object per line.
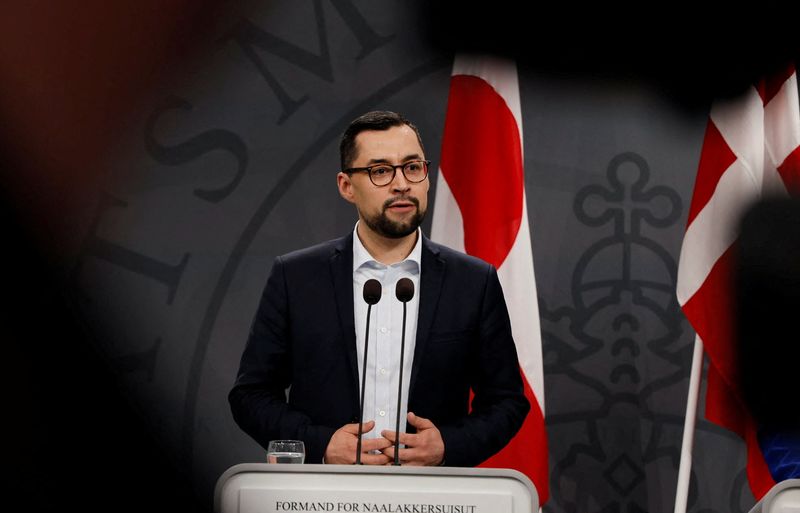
{"type": "Point", "coordinates": [286, 451]}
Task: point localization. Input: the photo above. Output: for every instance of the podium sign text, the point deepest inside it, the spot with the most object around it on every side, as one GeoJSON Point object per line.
{"type": "Point", "coordinates": [264, 488]}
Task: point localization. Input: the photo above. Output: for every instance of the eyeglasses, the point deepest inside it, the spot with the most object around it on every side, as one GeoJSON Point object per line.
{"type": "Point", "coordinates": [382, 175]}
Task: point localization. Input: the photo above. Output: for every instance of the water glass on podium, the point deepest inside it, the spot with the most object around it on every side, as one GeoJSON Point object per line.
{"type": "Point", "coordinates": [286, 451]}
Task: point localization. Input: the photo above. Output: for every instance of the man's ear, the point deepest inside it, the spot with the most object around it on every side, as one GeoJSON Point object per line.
{"type": "Point", "coordinates": [345, 186]}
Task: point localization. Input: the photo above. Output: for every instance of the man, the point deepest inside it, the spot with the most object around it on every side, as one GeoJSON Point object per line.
{"type": "Point", "coordinates": [309, 331]}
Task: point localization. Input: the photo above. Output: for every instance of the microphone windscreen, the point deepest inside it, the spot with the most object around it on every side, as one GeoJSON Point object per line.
{"type": "Point", "coordinates": [372, 291]}
{"type": "Point", "coordinates": [404, 290]}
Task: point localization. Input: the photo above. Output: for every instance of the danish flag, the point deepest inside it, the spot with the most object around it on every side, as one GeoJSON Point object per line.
{"type": "Point", "coordinates": [751, 149]}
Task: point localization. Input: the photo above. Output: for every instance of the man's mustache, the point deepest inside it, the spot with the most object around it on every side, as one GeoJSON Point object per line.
{"type": "Point", "coordinates": [410, 199]}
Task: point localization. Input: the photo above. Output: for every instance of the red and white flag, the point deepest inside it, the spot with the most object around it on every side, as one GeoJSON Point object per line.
{"type": "Point", "coordinates": [480, 210]}
{"type": "Point", "coordinates": [751, 149]}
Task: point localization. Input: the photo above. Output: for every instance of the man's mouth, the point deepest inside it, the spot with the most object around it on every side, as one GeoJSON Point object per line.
{"type": "Point", "coordinates": [401, 205]}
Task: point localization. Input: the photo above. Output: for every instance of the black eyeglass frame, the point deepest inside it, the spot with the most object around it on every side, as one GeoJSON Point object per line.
{"type": "Point", "coordinates": [402, 166]}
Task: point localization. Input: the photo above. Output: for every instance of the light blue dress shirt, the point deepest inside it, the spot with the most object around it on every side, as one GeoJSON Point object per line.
{"type": "Point", "coordinates": [386, 323]}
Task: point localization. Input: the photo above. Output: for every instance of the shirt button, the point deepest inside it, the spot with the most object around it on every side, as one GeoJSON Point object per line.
{"type": "Point", "coordinates": [384, 330]}
{"type": "Point", "coordinates": [382, 413]}
{"type": "Point", "coordinates": [383, 371]}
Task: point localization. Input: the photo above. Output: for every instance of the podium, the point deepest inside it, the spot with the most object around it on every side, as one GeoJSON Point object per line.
{"type": "Point", "coordinates": [784, 497]}
{"type": "Point", "coordinates": [271, 488]}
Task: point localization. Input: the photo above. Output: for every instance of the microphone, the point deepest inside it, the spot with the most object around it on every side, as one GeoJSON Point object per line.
{"type": "Point", "coordinates": [372, 294]}
{"type": "Point", "coordinates": [404, 290]}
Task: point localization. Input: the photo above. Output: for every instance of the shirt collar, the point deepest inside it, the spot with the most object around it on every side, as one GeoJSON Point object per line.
{"type": "Point", "coordinates": [361, 256]}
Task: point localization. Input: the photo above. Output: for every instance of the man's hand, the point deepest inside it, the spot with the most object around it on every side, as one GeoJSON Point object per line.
{"type": "Point", "coordinates": [425, 448]}
{"type": "Point", "coordinates": [342, 447]}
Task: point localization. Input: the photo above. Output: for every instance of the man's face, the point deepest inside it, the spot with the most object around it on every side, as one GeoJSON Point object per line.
{"type": "Point", "coordinates": [397, 209]}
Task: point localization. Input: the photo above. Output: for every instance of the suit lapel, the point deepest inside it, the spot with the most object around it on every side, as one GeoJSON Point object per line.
{"type": "Point", "coordinates": [431, 279]}
{"type": "Point", "coordinates": [342, 271]}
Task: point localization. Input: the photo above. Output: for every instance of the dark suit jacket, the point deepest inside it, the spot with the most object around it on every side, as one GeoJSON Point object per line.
{"type": "Point", "coordinates": [303, 336]}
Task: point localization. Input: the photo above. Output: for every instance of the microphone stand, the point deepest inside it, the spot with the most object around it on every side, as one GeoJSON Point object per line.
{"type": "Point", "coordinates": [372, 294]}
{"type": "Point", "coordinates": [363, 388]}
{"type": "Point", "coordinates": [400, 390]}
{"type": "Point", "coordinates": [404, 290]}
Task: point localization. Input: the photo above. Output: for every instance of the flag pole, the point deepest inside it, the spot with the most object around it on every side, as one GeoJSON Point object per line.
{"type": "Point", "coordinates": [685, 468]}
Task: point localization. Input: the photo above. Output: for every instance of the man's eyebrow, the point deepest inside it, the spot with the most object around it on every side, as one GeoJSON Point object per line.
{"type": "Point", "coordinates": [381, 160]}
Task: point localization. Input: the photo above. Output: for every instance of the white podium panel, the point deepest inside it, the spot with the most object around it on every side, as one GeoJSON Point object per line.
{"type": "Point", "coordinates": [784, 497]}
{"type": "Point", "coordinates": [265, 488]}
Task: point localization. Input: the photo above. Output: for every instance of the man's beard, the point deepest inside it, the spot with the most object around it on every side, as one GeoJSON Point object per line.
{"type": "Point", "coordinates": [382, 225]}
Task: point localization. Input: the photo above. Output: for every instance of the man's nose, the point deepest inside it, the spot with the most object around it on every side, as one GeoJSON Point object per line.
{"type": "Point", "coordinates": [399, 182]}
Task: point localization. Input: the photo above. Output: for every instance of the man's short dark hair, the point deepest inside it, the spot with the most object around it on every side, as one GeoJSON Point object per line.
{"type": "Point", "coordinates": [375, 120]}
